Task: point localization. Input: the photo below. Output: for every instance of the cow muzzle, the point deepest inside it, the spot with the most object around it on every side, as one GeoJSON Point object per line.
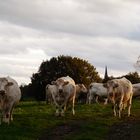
{"type": "Point", "coordinates": [2, 92]}
{"type": "Point", "coordinates": [110, 94]}
{"type": "Point", "coordinates": [60, 91]}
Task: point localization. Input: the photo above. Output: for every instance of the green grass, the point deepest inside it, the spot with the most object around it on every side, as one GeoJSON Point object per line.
{"type": "Point", "coordinates": [31, 119]}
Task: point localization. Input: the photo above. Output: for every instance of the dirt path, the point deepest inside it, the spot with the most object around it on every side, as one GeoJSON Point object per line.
{"type": "Point", "coordinates": [126, 130]}
{"type": "Point", "coordinates": [60, 131]}
{"type": "Point", "coordinates": [129, 130]}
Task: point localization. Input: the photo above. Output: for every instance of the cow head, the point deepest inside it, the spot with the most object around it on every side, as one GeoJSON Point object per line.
{"type": "Point", "coordinates": [82, 88]}
{"type": "Point", "coordinates": [111, 86]}
{"type": "Point", "coordinates": [60, 83]}
{"type": "Point", "coordinates": [4, 83]}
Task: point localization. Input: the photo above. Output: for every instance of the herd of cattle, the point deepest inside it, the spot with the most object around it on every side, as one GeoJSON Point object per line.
{"type": "Point", "coordinates": [64, 92]}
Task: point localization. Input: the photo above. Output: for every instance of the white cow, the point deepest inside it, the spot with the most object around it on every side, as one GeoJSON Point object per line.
{"type": "Point", "coordinates": [81, 92]}
{"type": "Point", "coordinates": [120, 92]}
{"type": "Point", "coordinates": [10, 95]}
{"type": "Point", "coordinates": [136, 90]}
{"type": "Point", "coordinates": [97, 90]}
{"type": "Point", "coordinates": [66, 92]}
{"type": "Point", "coordinates": [51, 91]}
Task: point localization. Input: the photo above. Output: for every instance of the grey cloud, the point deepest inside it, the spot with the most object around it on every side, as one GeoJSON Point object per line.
{"type": "Point", "coordinates": [102, 32]}
{"type": "Point", "coordinates": [108, 18]}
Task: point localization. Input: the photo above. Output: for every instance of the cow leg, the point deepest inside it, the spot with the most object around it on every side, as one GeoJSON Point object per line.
{"type": "Point", "coordinates": [88, 99]}
{"type": "Point", "coordinates": [105, 101]}
{"type": "Point", "coordinates": [91, 98]}
{"type": "Point", "coordinates": [62, 111]}
{"type": "Point", "coordinates": [129, 105]}
{"type": "Point", "coordinates": [129, 108]}
{"type": "Point", "coordinates": [57, 111]}
{"type": "Point", "coordinates": [6, 113]}
{"type": "Point", "coordinates": [120, 106]}
{"type": "Point", "coordinates": [6, 116]}
{"type": "Point", "coordinates": [114, 110]}
{"type": "Point", "coordinates": [96, 98]}
{"type": "Point", "coordinates": [65, 107]}
{"type": "Point", "coordinates": [120, 110]}
{"type": "Point", "coordinates": [73, 102]}
{"type": "Point", "coordinates": [11, 112]}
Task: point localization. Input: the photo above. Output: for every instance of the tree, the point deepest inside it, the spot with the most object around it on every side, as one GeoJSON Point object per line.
{"type": "Point", "coordinates": [137, 64]}
{"type": "Point", "coordinates": [133, 77]}
{"type": "Point", "coordinates": [80, 70]}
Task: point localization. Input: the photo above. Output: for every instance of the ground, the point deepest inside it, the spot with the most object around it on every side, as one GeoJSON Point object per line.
{"type": "Point", "coordinates": [36, 121]}
{"type": "Point", "coordinates": [60, 132]}
{"type": "Point", "coordinates": [128, 130]}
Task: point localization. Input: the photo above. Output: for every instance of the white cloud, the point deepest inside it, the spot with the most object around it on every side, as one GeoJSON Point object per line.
{"type": "Point", "coordinates": [21, 66]}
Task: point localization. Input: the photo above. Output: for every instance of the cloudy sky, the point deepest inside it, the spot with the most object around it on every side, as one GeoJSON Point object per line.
{"type": "Point", "coordinates": [104, 32]}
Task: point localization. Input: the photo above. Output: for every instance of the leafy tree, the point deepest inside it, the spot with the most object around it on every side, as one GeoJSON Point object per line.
{"type": "Point", "coordinates": [80, 70]}
{"type": "Point", "coordinates": [27, 92]}
{"type": "Point", "coordinates": [133, 77]}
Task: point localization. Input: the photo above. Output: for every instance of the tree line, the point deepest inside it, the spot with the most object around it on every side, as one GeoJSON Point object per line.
{"type": "Point", "coordinates": [80, 70]}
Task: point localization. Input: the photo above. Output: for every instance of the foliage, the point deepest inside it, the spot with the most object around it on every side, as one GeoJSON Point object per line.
{"type": "Point", "coordinates": [80, 70]}
{"type": "Point", "coordinates": [133, 77]}
{"type": "Point", "coordinates": [137, 64]}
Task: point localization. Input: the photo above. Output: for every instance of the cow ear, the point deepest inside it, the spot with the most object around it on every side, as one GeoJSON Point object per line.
{"type": "Point", "coordinates": [10, 83]}
{"type": "Point", "coordinates": [81, 85]}
{"type": "Point", "coordinates": [47, 86]}
{"type": "Point", "coordinates": [116, 85]}
{"type": "Point", "coordinates": [53, 82]}
{"type": "Point", "coordinates": [65, 83]}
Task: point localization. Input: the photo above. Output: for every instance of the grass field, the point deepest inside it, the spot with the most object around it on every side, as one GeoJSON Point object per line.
{"type": "Point", "coordinates": [32, 120]}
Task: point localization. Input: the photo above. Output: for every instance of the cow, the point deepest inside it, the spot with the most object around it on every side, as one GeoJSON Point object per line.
{"type": "Point", "coordinates": [120, 93]}
{"type": "Point", "coordinates": [10, 95]}
{"type": "Point", "coordinates": [136, 90]}
{"type": "Point", "coordinates": [97, 91]}
{"type": "Point", "coordinates": [50, 92]}
{"type": "Point", "coordinates": [81, 93]}
{"type": "Point", "coordinates": [66, 92]}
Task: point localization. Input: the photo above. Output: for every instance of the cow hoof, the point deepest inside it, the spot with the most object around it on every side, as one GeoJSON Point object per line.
{"type": "Point", "coordinates": [56, 114]}
{"type": "Point", "coordinates": [6, 122]}
{"type": "Point", "coordinates": [115, 115]}
{"type": "Point", "coordinates": [62, 114]}
{"type": "Point", "coordinates": [73, 112]}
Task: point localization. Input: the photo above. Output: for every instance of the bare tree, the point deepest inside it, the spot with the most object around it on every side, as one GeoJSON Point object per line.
{"type": "Point", "coordinates": [137, 64]}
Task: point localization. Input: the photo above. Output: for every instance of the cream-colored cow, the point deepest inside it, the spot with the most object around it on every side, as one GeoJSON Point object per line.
{"type": "Point", "coordinates": [120, 92]}
{"type": "Point", "coordinates": [66, 92]}
{"type": "Point", "coordinates": [10, 95]}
